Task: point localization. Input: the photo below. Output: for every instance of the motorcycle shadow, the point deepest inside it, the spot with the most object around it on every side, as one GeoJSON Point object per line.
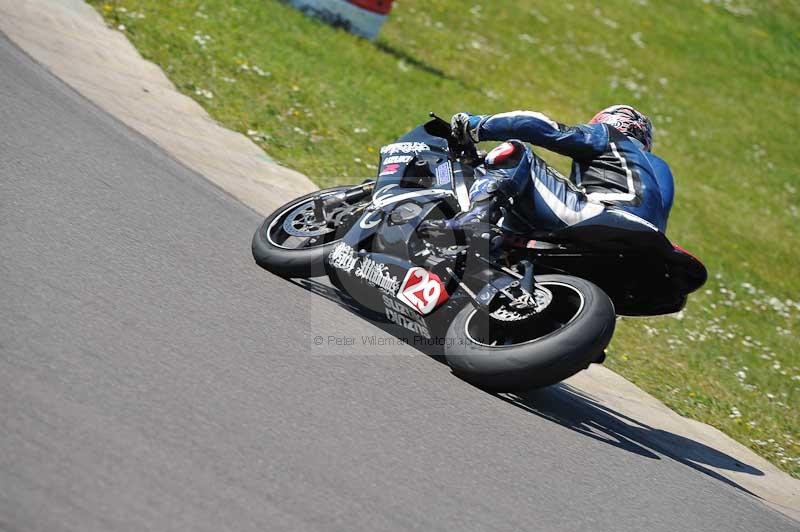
{"type": "Point", "coordinates": [577, 411]}
{"type": "Point", "coordinates": [571, 408]}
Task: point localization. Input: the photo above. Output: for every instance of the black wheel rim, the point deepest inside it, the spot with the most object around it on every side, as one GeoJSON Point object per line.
{"type": "Point", "coordinates": [297, 226]}
{"type": "Point", "coordinates": [566, 305]}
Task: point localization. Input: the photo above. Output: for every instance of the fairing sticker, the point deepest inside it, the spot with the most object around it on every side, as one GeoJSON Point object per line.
{"type": "Point", "coordinates": [443, 174]}
{"type": "Point", "coordinates": [404, 147]}
{"type": "Point", "coordinates": [398, 313]}
{"type": "Point", "coordinates": [422, 290]}
{"type": "Point", "coordinates": [345, 258]}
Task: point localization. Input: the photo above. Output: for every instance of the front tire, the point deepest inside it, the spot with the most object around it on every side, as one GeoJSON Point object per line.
{"type": "Point", "coordinates": [274, 254]}
{"type": "Point", "coordinates": [499, 356]}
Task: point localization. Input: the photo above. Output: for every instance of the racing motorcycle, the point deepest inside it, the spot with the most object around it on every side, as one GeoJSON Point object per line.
{"type": "Point", "coordinates": [515, 308]}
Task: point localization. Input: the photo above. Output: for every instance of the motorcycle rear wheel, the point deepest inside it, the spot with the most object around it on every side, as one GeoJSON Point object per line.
{"type": "Point", "coordinates": [567, 336]}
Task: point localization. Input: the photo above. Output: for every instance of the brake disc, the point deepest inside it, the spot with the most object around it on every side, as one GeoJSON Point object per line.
{"type": "Point", "coordinates": [524, 305]}
{"type": "Point", "coordinates": [303, 223]}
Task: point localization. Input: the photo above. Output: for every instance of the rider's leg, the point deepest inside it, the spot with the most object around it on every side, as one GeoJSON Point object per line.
{"type": "Point", "coordinates": [507, 171]}
{"type": "Point", "coordinates": [554, 202]}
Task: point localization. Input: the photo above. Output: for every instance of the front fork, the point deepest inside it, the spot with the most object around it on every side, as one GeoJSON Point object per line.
{"type": "Point", "coordinates": [324, 204]}
{"type": "Point", "coordinates": [492, 285]}
{"type": "Point", "coordinates": [501, 286]}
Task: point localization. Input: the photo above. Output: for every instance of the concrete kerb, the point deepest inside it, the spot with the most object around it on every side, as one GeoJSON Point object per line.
{"type": "Point", "coordinates": [72, 40]}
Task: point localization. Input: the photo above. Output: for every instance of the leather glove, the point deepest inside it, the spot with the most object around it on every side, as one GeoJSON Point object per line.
{"type": "Point", "coordinates": [464, 127]}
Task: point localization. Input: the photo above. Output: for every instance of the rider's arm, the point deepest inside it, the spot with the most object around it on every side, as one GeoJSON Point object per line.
{"type": "Point", "coordinates": [578, 142]}
{"type": "Point", "coordinates": [666, 183]}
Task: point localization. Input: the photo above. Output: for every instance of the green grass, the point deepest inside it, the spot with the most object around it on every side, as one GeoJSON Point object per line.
{"type": "Point", "coordinates": [722, 85]}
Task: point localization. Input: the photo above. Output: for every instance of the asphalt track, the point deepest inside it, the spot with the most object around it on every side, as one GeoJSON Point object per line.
{"type": "Point", "coordinates": [153, 378]}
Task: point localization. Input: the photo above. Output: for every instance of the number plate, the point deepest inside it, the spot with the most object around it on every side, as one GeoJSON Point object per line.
{"type": "Point", "coordinates": [423, 291]}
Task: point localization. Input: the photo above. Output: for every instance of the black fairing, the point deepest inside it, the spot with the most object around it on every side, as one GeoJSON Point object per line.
{"type": "Point", "coordinates": [642, 272]}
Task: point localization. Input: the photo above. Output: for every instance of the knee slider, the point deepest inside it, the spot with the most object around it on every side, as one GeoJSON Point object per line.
{"type": "Point", "coordinates": [506, 156]}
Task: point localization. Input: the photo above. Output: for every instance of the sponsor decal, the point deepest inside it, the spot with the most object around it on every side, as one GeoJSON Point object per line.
{"type": "Point", "coordinates": [398, 159]}
{"type": "Point", "coordinates": [375, 274]}
{"type": "Point", "coordinates": [404, 147]}
{"type": "Point", "coordinates": [343, 257]}
{"type": "Point", "coordinates": [389, 169]}
{"type": "Point", "coordinates": [405, 317]}
{"type": "Point", "coordinates": [422, 290]}
{"type": "Point", "coordinates": [443, 174]}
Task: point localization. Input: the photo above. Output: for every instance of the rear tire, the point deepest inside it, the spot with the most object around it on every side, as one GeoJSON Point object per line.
{"type": "Point", "coordinates": [538, 362]}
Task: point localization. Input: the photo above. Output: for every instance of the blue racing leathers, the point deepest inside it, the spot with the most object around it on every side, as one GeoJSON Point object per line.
{"type": "Point", "coordinates": [612, 176]}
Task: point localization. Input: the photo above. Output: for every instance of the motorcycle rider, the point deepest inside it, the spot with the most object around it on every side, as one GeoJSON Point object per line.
{"type": "Point", "coordinates": [615, 180]}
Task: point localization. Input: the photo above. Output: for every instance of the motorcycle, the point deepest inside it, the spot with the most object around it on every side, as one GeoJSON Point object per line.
{"type": "Point", "coordinates": [515, 308]}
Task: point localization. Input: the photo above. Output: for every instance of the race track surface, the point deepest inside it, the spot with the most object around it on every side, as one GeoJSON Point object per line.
{"type": "Point", "coordinates": [153, 378]}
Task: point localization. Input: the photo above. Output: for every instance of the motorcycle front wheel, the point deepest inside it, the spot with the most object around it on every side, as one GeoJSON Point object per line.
{"type": "Point", "coordinates": [563, 338]}
{"type": "Point", "coordinates": [291, 242]}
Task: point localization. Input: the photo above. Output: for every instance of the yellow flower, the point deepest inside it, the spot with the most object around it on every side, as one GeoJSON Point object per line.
{"type": "Point", "coordinates": [107, 8]}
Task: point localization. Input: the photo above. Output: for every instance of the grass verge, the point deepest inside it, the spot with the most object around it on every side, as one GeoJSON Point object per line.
{"type": "Point", "coordinates": [720, 78]}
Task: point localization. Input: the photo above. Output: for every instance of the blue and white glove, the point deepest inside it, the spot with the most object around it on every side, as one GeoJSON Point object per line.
{"type": "Point", "coordinates": [464, 127]}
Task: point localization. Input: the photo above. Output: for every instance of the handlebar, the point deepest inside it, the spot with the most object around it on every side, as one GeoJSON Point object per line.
{"type": "Point", "coordinates": [441, 127]}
